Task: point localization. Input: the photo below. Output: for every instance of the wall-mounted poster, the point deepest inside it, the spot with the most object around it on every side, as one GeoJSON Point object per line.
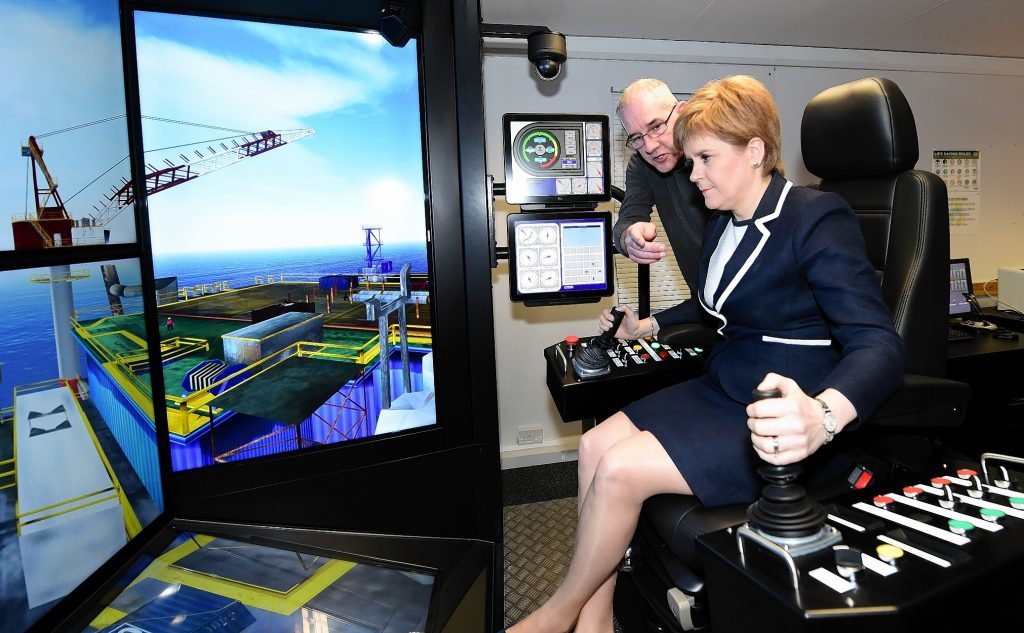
{"type": "Point", "coordinates": [961, 171]}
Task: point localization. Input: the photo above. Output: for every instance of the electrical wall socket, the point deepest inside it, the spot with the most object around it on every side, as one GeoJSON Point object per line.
{"type": "Point", "coordinates": [529, 434]}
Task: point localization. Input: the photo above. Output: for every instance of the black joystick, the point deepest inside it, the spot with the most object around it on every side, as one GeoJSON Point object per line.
{"type": "Point", "coordinates": [784, 510]}
{"type": "Point", "coordinates": [592, 360]}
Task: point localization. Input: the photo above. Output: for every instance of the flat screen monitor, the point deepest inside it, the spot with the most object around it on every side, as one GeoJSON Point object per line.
{"type": "Point", "coordinates": [205, 577]}
{"type": "Point", "coordinates": [959, 283]}
{"type": "Point", "coordinates": [209, 582]}
{"type": "Point", "coordinates": [556, 159]}
{"type": "Point", "coordinates": [560, 257]}
{"type": "Point", "coordinates": [268, 293]}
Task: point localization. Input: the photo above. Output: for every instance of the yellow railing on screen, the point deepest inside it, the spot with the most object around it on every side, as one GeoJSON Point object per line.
{"type": "Point", "coordinates": [170, 349]}
{"type": "Point", "coordinates": [188, 413]}
{"type": "Point", "coordinates": [8, 471]}
{"type": "Point", "coordinates": [417, 334]}
{"type": "Point", "coordinates": [66, 506]}
{"type": "Point", "coordinates": [111, 360]}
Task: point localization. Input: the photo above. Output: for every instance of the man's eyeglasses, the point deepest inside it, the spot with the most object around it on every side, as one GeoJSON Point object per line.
{"type": "Point", "coordinates": [636, 141]}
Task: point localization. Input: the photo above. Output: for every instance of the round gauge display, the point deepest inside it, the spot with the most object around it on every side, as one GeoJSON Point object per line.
{"type": "Point", "coordinates": [528, 279]}
{"type": "Point", "coordinates": [538, 150]}
{"type": "Point", "coordinates": [526, 234]}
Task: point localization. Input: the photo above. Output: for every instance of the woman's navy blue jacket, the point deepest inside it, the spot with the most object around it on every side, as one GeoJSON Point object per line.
{"type": "Point", "coordinates": [798, 298]}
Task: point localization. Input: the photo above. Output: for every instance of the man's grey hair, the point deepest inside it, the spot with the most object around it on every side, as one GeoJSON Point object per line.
{"type": "Point", "coordinates": [655, 87]}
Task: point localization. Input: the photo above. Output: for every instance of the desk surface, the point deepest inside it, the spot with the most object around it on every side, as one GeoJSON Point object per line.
{"type": "Point", "coordinates": [984, 343]}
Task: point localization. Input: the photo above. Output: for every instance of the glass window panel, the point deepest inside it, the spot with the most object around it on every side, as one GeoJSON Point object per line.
{"type": "Point", "coordinates": [79, 472]}
{"type": "Point", "coordinates": [205, 583]}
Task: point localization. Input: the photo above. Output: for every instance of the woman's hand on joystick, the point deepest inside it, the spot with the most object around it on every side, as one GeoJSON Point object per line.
{"type": "Point", "coordinates": [785, 429]}
{"type": "Point", "coordinates": [629, 328]}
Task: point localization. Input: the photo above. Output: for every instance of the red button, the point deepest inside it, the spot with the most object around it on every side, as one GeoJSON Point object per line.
{"type": "Point", "coordinates": [572, 340]}
{"type": "Point", "coordinates": [881, 501]}
{"type": "Point", "coordinates": [645, 356]}
{"type": "Point", "coordinates": [912, 491]}
{"type": "Point", "coordinates": [663, 354]}
{"type": "Point", "coordinates": [966, 473]}
{"type": "Point", "coordinates": [863, 479]}
{"type": "Point", "coordinates": [940, 481]}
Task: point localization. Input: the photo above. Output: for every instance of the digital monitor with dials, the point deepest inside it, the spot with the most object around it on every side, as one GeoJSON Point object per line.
{"type": "Point", "coordinates": [560, 257]}
{"type": "Point", "coordinates": [556, 159]}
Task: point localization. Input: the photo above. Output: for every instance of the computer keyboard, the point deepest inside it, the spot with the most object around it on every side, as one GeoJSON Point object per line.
{"type": "Point", "coordinates": [956, 334]}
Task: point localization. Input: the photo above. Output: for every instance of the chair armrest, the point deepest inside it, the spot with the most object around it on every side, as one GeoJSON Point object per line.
{"type": "Point", "coordinates": [924, 401]}
{"type": "Point", "coordinates": [677, 521]}
{"type": "Point", "coordinates": [688, 335]}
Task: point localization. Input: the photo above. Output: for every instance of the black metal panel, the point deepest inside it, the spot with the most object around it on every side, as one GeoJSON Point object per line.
{"type": "Point", "coordinates": [465, 383]}
{"type": "Point", "coordinates": [599, 397]}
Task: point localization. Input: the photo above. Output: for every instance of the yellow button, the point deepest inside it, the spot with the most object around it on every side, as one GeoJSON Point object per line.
{"type": "Point", "coordinates": [888, 552]}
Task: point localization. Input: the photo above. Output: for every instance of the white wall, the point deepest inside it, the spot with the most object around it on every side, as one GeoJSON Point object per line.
{"type": "Point", "coordinates": [959, 103]}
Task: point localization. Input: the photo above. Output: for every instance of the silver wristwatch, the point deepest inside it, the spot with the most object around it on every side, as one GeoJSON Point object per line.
{"type": "Point", "coordinates": [828, 421]}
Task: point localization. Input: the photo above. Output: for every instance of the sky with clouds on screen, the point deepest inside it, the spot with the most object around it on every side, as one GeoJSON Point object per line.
{"type": "Point", "coordinates": [363, 164]}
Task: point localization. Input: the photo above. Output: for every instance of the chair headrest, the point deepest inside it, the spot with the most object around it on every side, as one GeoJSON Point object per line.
{"type": "Point", "coordinates": [857, 129]}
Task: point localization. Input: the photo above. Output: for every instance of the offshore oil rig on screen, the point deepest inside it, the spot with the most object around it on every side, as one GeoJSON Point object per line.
{"type": "Point", "coordinates": [286, 362]}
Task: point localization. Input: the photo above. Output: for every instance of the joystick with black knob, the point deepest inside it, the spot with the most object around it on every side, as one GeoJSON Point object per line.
{"type": "Point", "coordinates": [784, 510]}
{"type": "Point", "coordinates": [592, 360]}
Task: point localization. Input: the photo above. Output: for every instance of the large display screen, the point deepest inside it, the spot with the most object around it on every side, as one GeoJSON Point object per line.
{"type": "Point", "coordinates": [64, 169]}
{"type": "Point", "coordinates": [560, 257]}
{"type": "Point", "coordinates": [556, 158]}
{"type": "Point", "coordinates": [79, 471]}
{"type": "Point", "coordinates": [209, 583]}
{"type": "Point", "coordinates": [288, 206]}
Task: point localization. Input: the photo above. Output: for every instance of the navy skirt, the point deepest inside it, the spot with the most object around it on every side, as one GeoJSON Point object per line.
{"type": "Point", "coordinates": [705, 433]}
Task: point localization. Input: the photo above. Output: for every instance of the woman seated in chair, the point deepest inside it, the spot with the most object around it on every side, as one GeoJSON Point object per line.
{"type": "Point", "coordinates": [785, 279]}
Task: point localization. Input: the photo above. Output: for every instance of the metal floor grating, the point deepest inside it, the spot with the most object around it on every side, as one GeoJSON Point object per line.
{"type": "Point", "coordinates": [538, 548]}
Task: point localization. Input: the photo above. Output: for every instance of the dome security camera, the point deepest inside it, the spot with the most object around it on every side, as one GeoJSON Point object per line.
{"type": "Point", "coordinates": [546, 51]}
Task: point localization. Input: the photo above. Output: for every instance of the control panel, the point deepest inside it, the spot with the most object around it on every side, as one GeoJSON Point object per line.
{"type": "Point", "coordinates": [937, 553]}
{"type": "Point", "coordinates": [633, 369]}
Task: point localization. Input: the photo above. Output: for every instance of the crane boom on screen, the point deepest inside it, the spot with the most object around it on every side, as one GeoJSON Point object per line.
{"type": "Point", "coordinates": [51, 225]}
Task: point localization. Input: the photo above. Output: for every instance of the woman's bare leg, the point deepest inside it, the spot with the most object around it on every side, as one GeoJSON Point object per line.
{"type": "Point", "coordinates": [596, 614]}
{"type": "Point", "coordinates": [631, 470]}
{"type": "Point", "coordinates": [594, 444]}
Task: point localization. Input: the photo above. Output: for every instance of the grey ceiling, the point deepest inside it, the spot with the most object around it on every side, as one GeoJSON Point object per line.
{"type": "Point", "coordinates": [965, 27]}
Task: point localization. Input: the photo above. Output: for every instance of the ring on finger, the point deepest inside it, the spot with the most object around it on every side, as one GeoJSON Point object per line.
{"type": "Point", "coordinates": [775, 445]}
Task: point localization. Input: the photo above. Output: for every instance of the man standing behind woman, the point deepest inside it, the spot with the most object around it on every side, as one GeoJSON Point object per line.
{"type": "Point", "coordinates": [656, 176]}
{"type": "Point", "coordinates": [784, 272]}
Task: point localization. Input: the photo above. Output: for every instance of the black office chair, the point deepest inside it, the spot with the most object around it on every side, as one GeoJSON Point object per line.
{"type": "Point", "coordinates": [861, 140]}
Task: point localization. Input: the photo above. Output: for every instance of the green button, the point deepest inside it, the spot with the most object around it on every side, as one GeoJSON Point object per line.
{"type": "Point", "coordinates": [1017, 502]}
{"type": "Point", "coordinates": [655, 345]}
{"type": "Point", "coordinates": [960, 526]}
{"type": "Point", "coordinates": [992, 514]}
